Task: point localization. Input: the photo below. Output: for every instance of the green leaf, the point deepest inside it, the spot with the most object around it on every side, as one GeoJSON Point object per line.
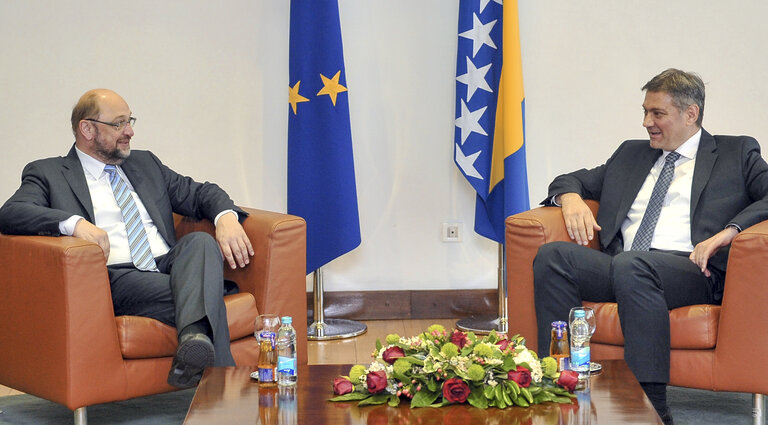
{"type": "Point", "coordinates": [432, 385]}
{"type": "Point", "coordinates": [488, 392]}
{"type": "Point", "coordinates": [527, 394]}
{"type": "Point", "coordinates": [350, 397]}
{"type": "Point", "coordinates": [374, 399]}
{"type": "Point", "coordinates": [394, 400]}
{"type": "Point", "coordinates": [424, 398]}
{"type": "Point", "coordinates": [509, 364]}
{"type": "Point", "coordinates": [477, 398]}
{"type": "Point", "coordinates": [414, 360]}
{"type": "Point", "coordinates": [564, 400]}
{"type": "Point", "coordinates": [378, 345]}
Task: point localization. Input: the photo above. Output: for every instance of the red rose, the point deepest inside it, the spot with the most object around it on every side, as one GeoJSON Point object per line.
{"type": "Point", "coordinates": [342, 386]}
{"type": "Point", "coordinates": [455, 390]}
{"type": "Point", "coordinates": [377, 381]}
{"type": "Point", "coordinates": [568, 379]}
{"type": "Point", "coordinates": [522, 376]}
{"type": "Point", "coordinates": [503, 344]}
{"type": "Point", "coordinates": [459, 338]}
{"type": "Point", "coordinates": [392, 353]}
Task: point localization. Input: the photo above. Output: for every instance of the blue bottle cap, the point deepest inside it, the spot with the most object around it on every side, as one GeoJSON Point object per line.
{"type": "Point", "coordinates": [578, 313]}
{"type": "Point", "coordinates": [286, 320]}
{"type": "Point", "coordinates": [559, 324]}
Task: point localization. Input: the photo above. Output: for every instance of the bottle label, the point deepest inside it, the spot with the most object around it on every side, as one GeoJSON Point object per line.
{"type": "Point", "coordinates": [286, 365]}
{"type": "Point", "coordinates": [266, 374]}
{"type": "Point", "coordinates": [580, 358]}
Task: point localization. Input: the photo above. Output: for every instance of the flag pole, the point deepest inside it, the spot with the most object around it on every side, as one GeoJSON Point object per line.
{"type": "Point", "coordinates": [484, 325]}
{"type": "Point", "coordinates": [323, 329]}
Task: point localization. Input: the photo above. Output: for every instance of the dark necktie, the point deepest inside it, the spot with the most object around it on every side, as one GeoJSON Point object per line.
{"type": "Point", "coordinates": [644, 234]}
{"type": "Point", "coordinates": [137, 236]}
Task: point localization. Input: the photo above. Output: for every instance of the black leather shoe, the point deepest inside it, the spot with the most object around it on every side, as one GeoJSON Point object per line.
{"type": "Point", "coordinates": [666, 418]}
{"type": "Point", "coordinates": [194, 354]}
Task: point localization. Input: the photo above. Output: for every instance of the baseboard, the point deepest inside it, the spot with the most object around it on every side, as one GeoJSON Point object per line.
{"type": "Point", "coordinates": [382, 305]}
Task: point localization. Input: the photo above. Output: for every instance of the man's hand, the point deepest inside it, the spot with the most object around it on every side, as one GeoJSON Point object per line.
{"type": "Point", "coordinates": [579, 220]}
{"type": "Point", "coordinates": [86, 230]}
{"type": "Point", "coordinates": [706, 249]}
{"type": "Point", "coordinates": [234, 243]}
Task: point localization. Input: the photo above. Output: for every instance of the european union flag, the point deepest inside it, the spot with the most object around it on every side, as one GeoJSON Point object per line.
{"type": "Point", "coordinates": [490, 112]}
{"type": "Point", "coordinates": [321, 171]}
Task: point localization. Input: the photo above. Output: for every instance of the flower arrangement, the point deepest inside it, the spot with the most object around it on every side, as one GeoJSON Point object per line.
{"type": "Point", "coordinates": [437, 368]}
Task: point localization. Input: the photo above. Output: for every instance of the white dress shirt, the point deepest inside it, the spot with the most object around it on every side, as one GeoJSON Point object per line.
{"type": "Point", "coordinates": [673, 230]}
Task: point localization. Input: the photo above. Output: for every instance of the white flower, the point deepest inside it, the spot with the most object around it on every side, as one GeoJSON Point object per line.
{"type": "Point", "coordinates": [525, 356]}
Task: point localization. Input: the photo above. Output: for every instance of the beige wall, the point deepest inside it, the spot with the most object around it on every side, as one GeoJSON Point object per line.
{"type": "Point", "coordinates": [207, 81]}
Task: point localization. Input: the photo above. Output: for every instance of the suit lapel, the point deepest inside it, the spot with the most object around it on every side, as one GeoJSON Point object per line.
{"type": "Point", "coordinates": [705, 161]}
{"type": "Point", "coordinates": [147, 193]}
{"type": "Point", "coordinates": [640, 169]}
{"type": "Point", "coordinates": [75, 177]}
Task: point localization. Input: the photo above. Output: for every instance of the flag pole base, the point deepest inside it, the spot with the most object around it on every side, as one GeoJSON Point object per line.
{"type": "Point", "coordinates": [482, 325]}
{"type": "Point", "coordinates": [322, 329]}
{"type": "Point", "coordinates": [335, 329]}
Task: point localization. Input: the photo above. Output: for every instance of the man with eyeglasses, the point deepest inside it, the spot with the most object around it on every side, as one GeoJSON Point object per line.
{"type": "Point", "coordinates": [123, 201]}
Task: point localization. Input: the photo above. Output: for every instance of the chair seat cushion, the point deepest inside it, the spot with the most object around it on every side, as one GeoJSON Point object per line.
{"type": "Point", "coordinates": [142, 337]}
{"type": "Point", "coordinates": [692, 327]}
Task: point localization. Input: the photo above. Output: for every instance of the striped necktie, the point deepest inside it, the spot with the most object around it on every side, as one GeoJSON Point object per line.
{"type": "Point", "coordinates": [644, 234]}
{"type": "Point", "coordinates": [137, 236]}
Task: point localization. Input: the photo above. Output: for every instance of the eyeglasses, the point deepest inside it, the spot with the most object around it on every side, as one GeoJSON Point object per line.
{"type": "Point", "coordinates": [119, 125]}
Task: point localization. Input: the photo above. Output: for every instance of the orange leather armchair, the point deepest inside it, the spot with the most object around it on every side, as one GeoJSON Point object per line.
{"type": "Point", "coordinates": [718, 348]}
{"type": "Point", "coordinates": [60, 338]}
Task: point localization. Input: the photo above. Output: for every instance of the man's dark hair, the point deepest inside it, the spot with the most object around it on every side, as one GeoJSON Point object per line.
{"type": "Point", "coordinates": [686, 88]}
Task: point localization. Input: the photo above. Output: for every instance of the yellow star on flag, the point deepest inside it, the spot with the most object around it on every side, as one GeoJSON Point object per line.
{"type": "Point", "coordinates": [331, 86]}
{"type": "Point", "coordinates": [294, 97]}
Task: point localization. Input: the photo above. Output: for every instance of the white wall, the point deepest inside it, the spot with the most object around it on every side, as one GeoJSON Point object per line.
{"type": "Point", "coordinates": [207, 81]}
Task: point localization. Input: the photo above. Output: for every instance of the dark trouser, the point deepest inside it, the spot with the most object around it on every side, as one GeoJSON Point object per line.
{"type": "Point", "coordinates": [188, 288]}
{"type": "Point", "coordinates": [644, 284]}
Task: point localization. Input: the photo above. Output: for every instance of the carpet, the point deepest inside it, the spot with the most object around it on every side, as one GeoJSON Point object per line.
{"type": "Point", "coordinates": [689, 407]}
{"type": "Point", "coordinates": [166, 408]}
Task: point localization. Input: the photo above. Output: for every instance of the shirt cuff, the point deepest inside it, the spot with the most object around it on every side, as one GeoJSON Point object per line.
{"type": "Point", "coordinates": [218, 216]}
{"type": "Point", "coordinates": [67, 227]}
{"type": "Point", "coordinates": [734, 225]}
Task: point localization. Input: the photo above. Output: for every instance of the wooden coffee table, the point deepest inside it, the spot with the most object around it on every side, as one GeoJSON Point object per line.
{"type": "Point", "coordinates": [227, 395]}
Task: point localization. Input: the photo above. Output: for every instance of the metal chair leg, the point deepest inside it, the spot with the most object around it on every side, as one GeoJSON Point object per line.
{"type": "Point", "coordinates": [81, 416]}
{"type": "Point", "coordinates": [758, 411]}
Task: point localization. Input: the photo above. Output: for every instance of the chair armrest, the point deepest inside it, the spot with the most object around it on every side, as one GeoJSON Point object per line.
{"type": "Point", "coordinates": [276, 275]}
{"type": "Point", "coordinates": [741, 343]}
{"type": "Point", "coordinates": [525, 233]}
{"type": "Point", "coordinates": [57, 325]}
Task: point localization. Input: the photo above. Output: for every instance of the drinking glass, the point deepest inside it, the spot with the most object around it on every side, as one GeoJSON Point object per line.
{"type": "Point", "coordinates": [589, 317]}
{"type": "Point", "coordinates": [266, 323]}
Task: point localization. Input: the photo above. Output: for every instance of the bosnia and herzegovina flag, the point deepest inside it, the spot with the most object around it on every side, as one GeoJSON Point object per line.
{"type": "Point", "coordinates": [321, 171]}
{"type": "Point", "coordinates": [490, 112]}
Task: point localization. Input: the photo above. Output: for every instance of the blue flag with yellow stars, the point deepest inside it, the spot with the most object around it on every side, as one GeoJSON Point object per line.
{"type": "Point", "coordinates": [489, 145]}
{"type": "Point", "coordinates": [321, 171]}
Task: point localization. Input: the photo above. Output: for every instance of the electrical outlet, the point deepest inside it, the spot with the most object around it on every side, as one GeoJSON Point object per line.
{"type": "Point", "coordinates": [452, 232]}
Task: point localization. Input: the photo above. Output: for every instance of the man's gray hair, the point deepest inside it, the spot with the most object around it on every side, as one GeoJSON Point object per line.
{"type": "Point", "coordinates": [686, 88]}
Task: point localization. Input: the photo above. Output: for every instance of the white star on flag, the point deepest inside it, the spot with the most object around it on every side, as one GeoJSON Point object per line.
{"type": "Point", "coordinates": [468, 121]}
{"type": "Point", "coordinates": [484, 3]}
{"type": "Point", "coordinates": [467, 163]}
{"type": "Point", "coordinates": [479, 34]}
{"type": "Point", "coordinates": [475, 79]}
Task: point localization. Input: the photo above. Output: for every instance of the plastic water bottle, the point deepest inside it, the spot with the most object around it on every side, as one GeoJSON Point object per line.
{"type": "Point", "coordinates": [580, 334]}
{"type": "Point", "coordinates": [286, 354]}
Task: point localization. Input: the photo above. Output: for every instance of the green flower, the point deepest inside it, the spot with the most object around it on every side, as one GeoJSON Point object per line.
{"type": "Point", "coordinates": [393, 339]}
{"type": "Point", "coordinates": [483, 350]}
{"type": "Point", "coordinates": [402, 366]}
{"type": "Point", "coordinates": [549, 366]}
{"type": "Point", "coordinates": [356, 372]}
{"type": "Point", "coordinates": [450, 350]}
{"type": "Point", "coordinates": [476, 372]}
{"type": "Point", "coordinates": [435, 328]}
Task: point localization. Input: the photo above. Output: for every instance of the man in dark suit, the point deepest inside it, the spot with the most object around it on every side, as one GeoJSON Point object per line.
{"type": "Point", "coordinates": [660, 248]}
{"type": "Point", "coordinates": [124, 201]}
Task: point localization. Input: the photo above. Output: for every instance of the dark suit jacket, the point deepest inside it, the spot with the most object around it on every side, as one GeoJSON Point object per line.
{"type": "Point", "coordinates": [730, 185]}
{"type": "Point", "coordinates": [54, 189]}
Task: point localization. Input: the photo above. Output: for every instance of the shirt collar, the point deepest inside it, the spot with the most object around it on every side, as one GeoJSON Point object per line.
{"type": "Point", "coordinates": [91, 165]}
{"type": "Point", "coordinates": [689, 148]}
